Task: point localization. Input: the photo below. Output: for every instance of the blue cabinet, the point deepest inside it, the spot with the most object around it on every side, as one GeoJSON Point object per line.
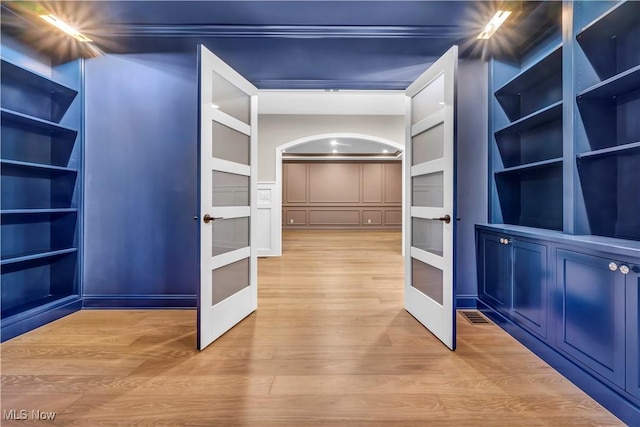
{"type": "Point", "coordinates": [530, 286]}
{"type": "Point", "coordinates": [633, 331]}
{"type": "Point", "coordinates": [592, 314]}
{"type": "Point", "coordinates": [513, 279]}
{"type": "Point", "coordinates": [494, 270]}
{"type": "Point", "coordinates": [574, 300]}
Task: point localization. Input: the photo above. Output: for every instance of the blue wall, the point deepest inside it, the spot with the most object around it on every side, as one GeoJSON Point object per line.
{"type": "Point", "coordinates": [140, 239]}
{"type": "Point", "coordinates": [471, 166]}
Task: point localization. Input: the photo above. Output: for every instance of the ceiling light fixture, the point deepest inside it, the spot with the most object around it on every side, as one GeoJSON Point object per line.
{"type": "Point", "coordinates": [63, 26]}
{"type": "Point", "coordinates": [495, 22]}
{"type": "Point", "coordinates": [385, 151]}
{"type": "Point", "coordinates": [215, 106]}
{"type": "Point", "coordinates": [334, 142]}
{"type": "Point", "coordinates": [335, 151]}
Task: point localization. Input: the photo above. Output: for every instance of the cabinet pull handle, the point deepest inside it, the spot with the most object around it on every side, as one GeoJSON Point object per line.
{"type": "Point", "coordinates": [624, 269]}
{"type": "Point", "coordinates": [613, 266]}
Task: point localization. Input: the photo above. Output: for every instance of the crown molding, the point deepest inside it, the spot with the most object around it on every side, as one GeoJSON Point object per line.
{"type": "Point", "coordinates": [288, 31]}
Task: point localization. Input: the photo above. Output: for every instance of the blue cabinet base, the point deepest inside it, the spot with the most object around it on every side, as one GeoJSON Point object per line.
{"type": "Point", "coordinates": [29, 320]}
{"type": "Point", "coordinates": [160, 301]}
{"type": "Point", "coordinates": [612, 401]}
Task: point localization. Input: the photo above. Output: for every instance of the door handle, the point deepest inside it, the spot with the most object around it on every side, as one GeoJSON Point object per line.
{"type": "Point", "coordinates": [446, 219]}
{"type": "Point", "coordinates": [208, 218]}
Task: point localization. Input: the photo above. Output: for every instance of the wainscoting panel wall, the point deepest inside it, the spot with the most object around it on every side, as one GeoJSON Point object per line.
{"type": "Point", "coordinates": [342, 194]}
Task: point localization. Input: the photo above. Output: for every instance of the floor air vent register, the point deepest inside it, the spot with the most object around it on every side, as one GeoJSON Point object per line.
{"type": "Point", "coordinates": [475, 318]}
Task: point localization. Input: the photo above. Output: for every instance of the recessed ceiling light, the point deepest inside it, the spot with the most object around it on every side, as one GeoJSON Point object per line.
{"type": "Point", "coordinates": [335, 151]}
{"type": "Point", "coordinates": [441, 103]}
{"type": "Point", "coordinates": [334, 142]}
{"type": "Point", "coordinates": [385, 151]}
{"type": "Point", "coordinates": [495, 22]}
{"type": "Point", "coordinates": [63, 26]}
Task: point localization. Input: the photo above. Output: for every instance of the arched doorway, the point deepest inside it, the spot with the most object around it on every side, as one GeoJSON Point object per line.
{"type": "Point", "coordinates": [330, 146]}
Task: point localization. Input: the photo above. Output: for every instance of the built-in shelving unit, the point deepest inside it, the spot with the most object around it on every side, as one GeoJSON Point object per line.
{"type": "Point", "coordinates": [558, 264]}
{"type": "Point", "coordinates": [608, 125]}
{"type": "Point", "coordinates": [40, 161]}
{"type": "Point", "coordinates": [527, 105]}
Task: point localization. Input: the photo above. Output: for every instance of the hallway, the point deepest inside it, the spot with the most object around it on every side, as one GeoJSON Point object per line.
{"type": "Point", "coordinates": [330, 345]}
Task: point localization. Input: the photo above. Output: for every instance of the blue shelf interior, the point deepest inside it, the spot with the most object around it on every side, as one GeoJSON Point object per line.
{"type": "Point", "coordinates": [34, 94]}
{"type": "Point", "coordinates": [532, 197]}
{"type": "Point", "coordinates": [610, 185]}
{"type": "Point", "coordinates": [33, 140]}
{"type": "Point", "coordinates": [28, 285]}
{"type": "Point", "coordinates": [610, 42]}
{"type": "Point", "coordinates": [28, 234]}
{"type": "Point", "coordinates": [535, 89]}
{"type": "Point", "coordinates": [626, 81]}
{"type": "Point", "coordinates": [30, 186]}
{"type": "Point", "coordinates": [611, 121]}
{"type": "Point", "coordinates": [534, 138]}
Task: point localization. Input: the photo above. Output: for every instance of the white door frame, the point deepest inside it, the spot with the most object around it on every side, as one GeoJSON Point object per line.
{"type": "Point", "coordinates": [276, 220]}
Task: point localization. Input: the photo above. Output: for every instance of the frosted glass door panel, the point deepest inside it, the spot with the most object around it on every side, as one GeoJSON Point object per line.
{"type": "Point", "coordinates": [231, 145]}
{"type": "Point", "coordinates": [427, 234]}
{"type": "Point", "coordinates": [229, 235]}
{"type": "Point", "coordinates": [230, 189]}
{"type": "Point", "coordinates": [428, 190]}
{"type": "Point", "coordinates": [228, 280]}
{"type": "Point", "coordinates": [427, 279]}
{"type": "Point", "coordinates": [428, 100]}
{"type": "Point", "coordinates": [231, 100]}
{"type": "Point", "coordinates": [427, 145]}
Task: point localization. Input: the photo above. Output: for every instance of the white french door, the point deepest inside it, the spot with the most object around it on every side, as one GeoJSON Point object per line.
{"type": "Point", "coordinates": [228, 162]}
{"type": "Point", "coordinates": [430, 195]}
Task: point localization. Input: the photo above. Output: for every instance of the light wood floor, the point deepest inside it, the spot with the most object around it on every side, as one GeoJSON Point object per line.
{"type": "Point", "coordinates": [330, 345]}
